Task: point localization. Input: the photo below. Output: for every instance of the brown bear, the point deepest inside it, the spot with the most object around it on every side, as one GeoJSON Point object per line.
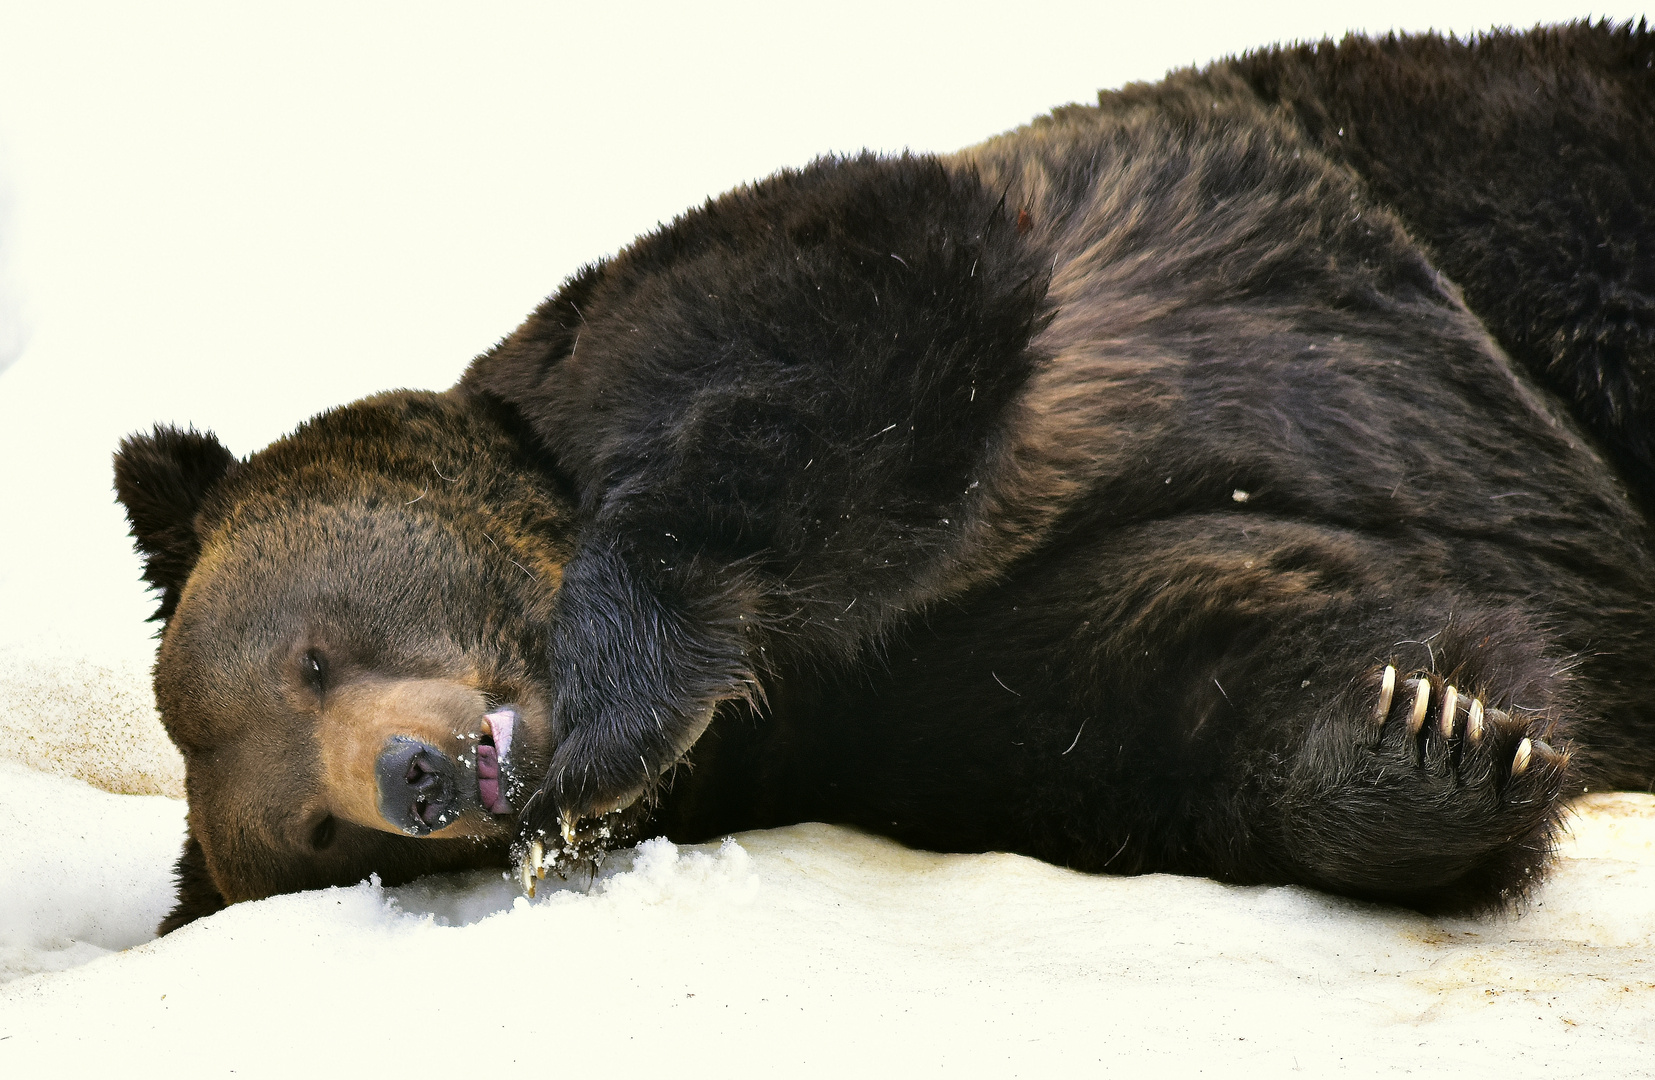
{"type": "Point", "coordinates": [1247, 476]}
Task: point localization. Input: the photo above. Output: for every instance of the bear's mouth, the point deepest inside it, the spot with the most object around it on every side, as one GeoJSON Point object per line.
{"type": "Point", "coordinates": [493, 750]}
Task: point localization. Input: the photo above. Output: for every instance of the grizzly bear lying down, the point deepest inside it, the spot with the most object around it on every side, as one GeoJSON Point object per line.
{"type": "Point", "coordinates": [1248, 476]}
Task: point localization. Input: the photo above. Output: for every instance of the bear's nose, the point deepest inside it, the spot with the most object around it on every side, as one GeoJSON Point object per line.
{"type": "Point", "coordinates": [417, 789]}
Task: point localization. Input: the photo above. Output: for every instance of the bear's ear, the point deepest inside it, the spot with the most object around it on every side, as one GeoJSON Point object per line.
{"type": "Point", "coordinates": [161, 479]}
{"type": "Point", "coordinates": [198, 897]}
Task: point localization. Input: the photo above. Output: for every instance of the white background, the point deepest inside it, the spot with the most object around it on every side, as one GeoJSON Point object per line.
{"type": "Point", "coordinates": [236, 215]}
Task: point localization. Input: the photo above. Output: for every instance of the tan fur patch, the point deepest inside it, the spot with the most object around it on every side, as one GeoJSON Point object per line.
{"type": "Point", "coordinates": [361, 718]}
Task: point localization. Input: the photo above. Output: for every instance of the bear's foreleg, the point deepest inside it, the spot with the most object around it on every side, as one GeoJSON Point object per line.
{"type": "Point", "coordinates": [642, 653]}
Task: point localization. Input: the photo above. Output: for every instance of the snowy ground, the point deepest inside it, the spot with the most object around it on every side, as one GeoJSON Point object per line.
{"type": "Point", "coordinates": [237, 221]}
{"type": "Point", "coordinates": [800, 951]}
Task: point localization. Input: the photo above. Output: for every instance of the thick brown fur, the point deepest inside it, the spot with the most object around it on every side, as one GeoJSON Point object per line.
{"type": "Point", "coordinates": [1070, 495]}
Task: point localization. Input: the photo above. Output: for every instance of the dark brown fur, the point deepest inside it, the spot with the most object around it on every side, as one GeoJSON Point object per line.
{"type": "Point", "coordinates": [1069, 495]}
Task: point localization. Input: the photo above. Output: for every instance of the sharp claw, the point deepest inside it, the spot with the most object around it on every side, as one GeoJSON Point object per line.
{"type": "Point", "coordinates": [1450, 703]}
{"type": "Point", "coordinates": [1387, 687]}
{"type": "Point", "coordinates": [1422, 701]}
{"type": "Point", "coordinates": [567, 825]}
{"type": "Point", "coordinates": [1521, 760]}
{"type": "Point", "coordinates": [525, 877]}
{"type": "Point", "coordinates": [1474, 722]}
{"type": "Point", "coordinates": [537, 859]}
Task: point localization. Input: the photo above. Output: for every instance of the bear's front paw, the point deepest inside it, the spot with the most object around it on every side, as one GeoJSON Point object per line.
{"type": "Point", "coordinates": [573, 845]}
{"type": "Point", "coordinates": [640, 661]}
{"type": "Point", "coordinates": [613, 762]}
{"type": "Point", "coordinates": [1459, 800]}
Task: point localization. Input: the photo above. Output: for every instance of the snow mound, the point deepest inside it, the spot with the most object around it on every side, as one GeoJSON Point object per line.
{"type": "Point", "coordinates": [65, 715]}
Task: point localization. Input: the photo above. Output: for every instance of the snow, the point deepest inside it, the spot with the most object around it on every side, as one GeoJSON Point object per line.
{"type": "Point", "coordinates": [810, 950]}
{"type": "Point", "coordinates": [86, 871]}
{"type": "Point", "coordinates": [237, 217]}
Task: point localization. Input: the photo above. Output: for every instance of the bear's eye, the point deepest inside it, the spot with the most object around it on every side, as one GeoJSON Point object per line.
{"type": "Point", "coordinates": [313, 670]}
{"type": "Point", "coordinates": [321, 834]}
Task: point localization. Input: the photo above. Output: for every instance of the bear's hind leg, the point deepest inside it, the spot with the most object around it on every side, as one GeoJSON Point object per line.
{"type": "Point", "coordinates": [1440, 787]}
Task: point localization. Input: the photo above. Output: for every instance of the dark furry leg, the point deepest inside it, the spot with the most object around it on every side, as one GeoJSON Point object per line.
{"type": "Point", "coordinates": [198, 896]}
{"type": "Point", "coordinates": [1437, 784]}
{"type": "Point", "coordinates": [641, 657]}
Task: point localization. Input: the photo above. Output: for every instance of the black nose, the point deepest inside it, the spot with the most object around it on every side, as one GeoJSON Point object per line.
{"type": "Point", "coordinates": [417, 789]}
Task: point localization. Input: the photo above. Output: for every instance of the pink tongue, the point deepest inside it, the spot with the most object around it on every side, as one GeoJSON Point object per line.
{"type": "Point", "coordinates": [488, 781]}
{"type": "Point", "coordinates": [500, 724]}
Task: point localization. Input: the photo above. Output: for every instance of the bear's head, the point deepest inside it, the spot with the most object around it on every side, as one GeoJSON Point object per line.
{"type": "Point", "coordinates": [352, 659]}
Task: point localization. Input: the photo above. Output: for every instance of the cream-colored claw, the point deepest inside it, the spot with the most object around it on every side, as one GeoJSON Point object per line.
{"type": "Point", "coordinates": [537, 859]}
{"type": "Point", "coordinates": [1450, 705]}
{"type": "Point", "coordinates": [1387, 688]}
{"type": "Point", "coordinates": [525, 877]}
{"type": "Point", "coordinates": [1422, 701]}
{"type": "Point", "coordinates": [1474, 721]}
{"type": "Point", "coordinates": [1521, 761]}
{"type": "Point", "coordinates": [568, 828]}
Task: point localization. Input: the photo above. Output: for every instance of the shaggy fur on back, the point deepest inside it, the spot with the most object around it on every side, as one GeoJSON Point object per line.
{"type": "Point", "coordinates": [1473, 144]}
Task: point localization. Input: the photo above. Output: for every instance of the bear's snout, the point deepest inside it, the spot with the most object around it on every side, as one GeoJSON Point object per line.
{"type": "Point", "coordinates": [426, 757]}
{"type": "Point", "coordinates": [418, 788]}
